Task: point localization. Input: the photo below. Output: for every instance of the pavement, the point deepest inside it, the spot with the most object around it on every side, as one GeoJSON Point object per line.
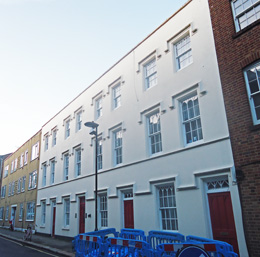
{"type": "Point", "coordinates": [61, 247]}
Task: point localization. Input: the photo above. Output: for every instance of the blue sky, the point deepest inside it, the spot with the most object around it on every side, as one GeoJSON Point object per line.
{"type": "Point", "coordinates": [51, 50]}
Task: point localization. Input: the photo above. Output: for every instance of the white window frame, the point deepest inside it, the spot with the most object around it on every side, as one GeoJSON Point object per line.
{"type": "Point", "coordinates": [118, 148]}
{"type": "Point", "coordinates": [12, 166]}
{"type": "Point", "coordinates": [46, 142]}
{"type": "Point", "coordinates": [44, 174]}
{"type": "Point", "coordinates": [19, 183]}
{"type": "Point", "coordinates": [98, 107]}
{"type": "Point", "coordinates": [21, 212]}
{"type": "Point", "coordinates": [43, 212]}
{"type": "Point", "coordinates": [23, 183]}
{"type": "Point", "coordinates": [7, 213]}
{"type": "Point", "coordinates": [78, 161]}
{"type": "Point", "coordinates": [13, 187]}
{"type": "Point", "coordinates": [54, 137]}
{"type": "Point", "coordinates": [99, 154]}
{"type": "Point", "coordinates": [52, 173]}
{"type": "Point", "coordinates": [3, 191]}
{"type": "Point", "coordinates": [66, 162]}
{"type": "Point", "coordinates": [78, 121]}
{"type": "Point", "coordinates": [30, 211]}
{"type": "Point", "coordinates": [116, 95]}
{"type": "Point", "coordinates": [189, 122]}
{"type": "Point", "coordinates": [67, 128]}
{"type": "Point", "coordinates": [154, 132]}
{"type": "Point", "coordinates": [187, 53]}
{"type": "Point", "coordinates": [32, 180]}
{"type": "Point", "coordinates": [6, 171]}
{"type": "Point", "coordinates": [167, 208]}
{"type": "Point", "coordinates": [9, 189]}
{"type": "Point", "coordinates": [21, 160]}
{"type": "Point", "coordinates": [150, 73]}
{"type": "Point", "coordinates": [35, 151]}
{"type": "Point", "coordinates": [256, 93]}
{"type": "Point", "coordinates": [250, 11]}
{"type": "Point", "coordinates": [15, 164]}
{"type": "Point", "coordinates": [103, 210]}
{"type": "Point", "coordinates": [26, 157]}
{"type": "Point", "coordinates": [1, 213]}
{"type": "Point", "coordinates": [66, 211]}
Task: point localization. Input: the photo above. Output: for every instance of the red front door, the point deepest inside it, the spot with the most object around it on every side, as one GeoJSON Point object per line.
{"type": "Point", "coordinates": [129, 213]}
{"type": "Point", "coordinates": [82, 215]}
{"type": "Point", "coordinates": [222, 218]}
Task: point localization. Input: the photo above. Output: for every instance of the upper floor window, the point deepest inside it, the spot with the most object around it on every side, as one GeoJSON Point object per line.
{"type": "Point", "coordinates": [12, 166]}
{"type": "Point", "coordinates": [150, 74]}
{"type": "Point", "coordinates": [3, 191]}
{"type": "Point", "coordinates": [13, 187]}
{"type": "Point", "coordinates": [21, 160]}
{"type": "Point", "coordinates": [78, 161]}
{"type": "Point", "coordinates": [52, 171]}
{"type": "Point", "coordinates": [23, 183]}
{"type": "Point", "coordinates": [15, 164]}
{"type": "Point", "coordinates": [6, 171]}
{"type": "Point", "coordinates": [44, 174]}
{"type": "Point", "coordinates": [19, 185]}
{"type": "Point", "coordinates": [191, 119]}
{"type": "Point", "coordinates": [116, 92]}
{"type": "Point", "coordinates": [35, 151]}
{"type": "Point", "coordinates": [99, 154]}
{"type": "Point", "coordinates": [183, 52]}
{"type": "Point", "coordinates": [25, 157]}
{"type": "Point", "coordinates": [118, 147]}
{"type": "Point", "coordinates": [245, 12]}
{"type": "Point", "coordinates": [67, 128]}
{"type": "Point", "coordinates": [46, 142]}
{"type": "Point", "coordinates": [32, 180]}
{"type": "Point", "coordinates": [79, 121]}
{"type": "Point", "coordinates": [154, 133]}
{"type": "Point", "coordinates": [99, 107]}
{"type": "Point", "coordinates": [54, 137]}
{"type": "Point", "coordinates": [252, 77]}
{"type": "Point", "coordinates": [66, 166]}
{"type": "Point", "coordinates": [9, 189]}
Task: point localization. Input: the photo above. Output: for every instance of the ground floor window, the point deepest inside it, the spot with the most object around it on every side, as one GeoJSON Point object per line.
{"type": "Point", "coordinates": [103, 210]}
{"type": "Point", "coordinates": [7, 213]}
{"type": "Point", "coordinates": [66, 212]}
{"type": "Point", "coordinates": [30, 211]}
{"type": "Point", "coordinates": [167, 207]}
{"type": "Point", "coordinates": [21, 212]}
{"type": "Point", "coordinates": [43, 217]}
{"type": "Point", "coordinates": [1, 213]}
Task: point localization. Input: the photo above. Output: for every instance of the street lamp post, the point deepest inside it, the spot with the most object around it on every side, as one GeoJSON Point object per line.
{"type": "Point", "coordinates": [94, 131]}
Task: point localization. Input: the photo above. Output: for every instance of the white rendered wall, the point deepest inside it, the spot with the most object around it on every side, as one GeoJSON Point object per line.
{"type": "Point", "coordinates": [185, 166]}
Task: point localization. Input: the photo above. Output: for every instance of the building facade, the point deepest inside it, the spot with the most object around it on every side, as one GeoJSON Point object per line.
{"type": "Point", "coordinates": [19, 184]}
{"type": "Point", "coordinates": [164, 155]}
{"type": "Point", "coordinates": [238, 51]}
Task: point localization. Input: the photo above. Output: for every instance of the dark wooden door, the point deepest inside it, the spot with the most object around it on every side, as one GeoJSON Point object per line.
{"type": "Point", "coordinates": [53, 221]}
{"type": "Point", "coordinates": [129, 213]}
{"type": "Point", "coordinates": [222, 218]}
{"type": "Point", "coordinates": [82, 215]}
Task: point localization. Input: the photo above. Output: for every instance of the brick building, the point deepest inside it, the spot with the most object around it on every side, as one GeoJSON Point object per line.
{"type": "Point", "coordinates": [236, 33]}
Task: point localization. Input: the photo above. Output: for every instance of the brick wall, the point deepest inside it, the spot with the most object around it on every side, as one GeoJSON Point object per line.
{"type": "Point", "coordinates": [236, 51]}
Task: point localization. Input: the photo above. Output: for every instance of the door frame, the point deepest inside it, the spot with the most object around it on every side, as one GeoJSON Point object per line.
{"type": "Point", "coordinates": [130, 197]}
{"type": "Point", "coordinates": [13, 210]}
{"type": "Point", "coordinates": [81, 196]}
{"type": "Point", "coordinates": [53, 205]}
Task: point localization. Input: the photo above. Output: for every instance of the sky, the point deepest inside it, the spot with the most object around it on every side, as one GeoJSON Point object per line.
{"type": "Point", "coordinates": [52, 50]}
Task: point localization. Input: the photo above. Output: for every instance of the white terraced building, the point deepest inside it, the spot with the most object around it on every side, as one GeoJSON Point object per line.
{"type": "Point", "coordinates": [164, 154]}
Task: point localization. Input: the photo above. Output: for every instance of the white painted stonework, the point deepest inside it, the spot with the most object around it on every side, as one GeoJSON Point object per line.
{"type": "Point", "coordinates": [186, 166]}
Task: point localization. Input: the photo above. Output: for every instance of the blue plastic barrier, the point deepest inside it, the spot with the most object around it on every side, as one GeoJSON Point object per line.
{"type": "Point", "coordinates": [213, 249]}
{"type": "Point", "coordinates": [105, 233]}
{"type": "Point", "coordinates": [136, 234]}
{"type": "Point", "coordinates": [88, 245]}
{"type": "Point", "coordinates": [156, 238]}
{"type": "Point", "coordinates": [120, 247]}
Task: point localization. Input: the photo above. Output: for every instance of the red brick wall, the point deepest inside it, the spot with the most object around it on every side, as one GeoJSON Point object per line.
{"type": "Point", "coordinates": [235, 51]}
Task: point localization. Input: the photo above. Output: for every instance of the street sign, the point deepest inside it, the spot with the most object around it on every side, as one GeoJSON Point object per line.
{"type": "Point", "coordinates": [193, 251]}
